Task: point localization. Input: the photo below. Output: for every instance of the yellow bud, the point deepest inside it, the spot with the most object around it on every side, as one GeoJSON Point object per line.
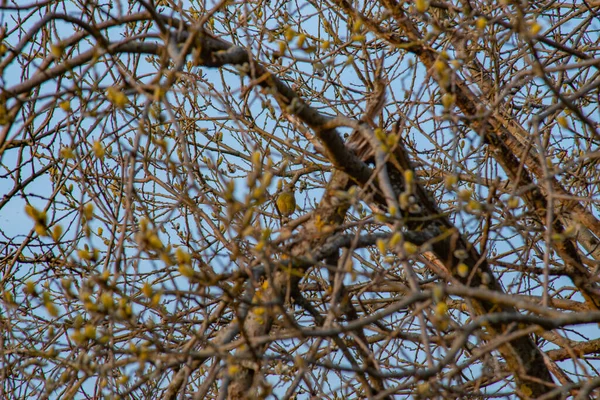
{"type": "Point", "coordinates": [233, 369]}
{"type": "Point", "coordinates": [325, 45]}
{"type": "Point", "coordinates": [474, 205]}
{"type": "Point", "coordinates": [439, 66]}
{"type": "Point", "coordinates": [30, 287]}
{"type": "Point", "coordinates": [8, 297]}
{"type": "Point", "coordinates": [88, 211]}
{"type": "Point", "coordinates": [147, 290]}
{"type": "Point", "coordinates": [57, 232]}
{"type": "Point", "coordinates": [526, 390]}
{"type": "Point", "coordinates": [105, 275]}
{"type": "Point", "coordinates": [31, 211]}
{"type": "Point", "coordinates": [465, 194]}
{"type": "Point", "coordinates": [394, 240]}
{"type": "Point", "coordinates": [393, 210]}
{"type": "Point", "coordinates": [260, 245]}
{"type": "Point", "coordinates": [438, 293]}
{"type": "Point", "coordinates": [267, 178]}
{"type": "Point", "coordinates": [256, 158]}
{"type": "Point", "coordinates": [155, 242]}
{"type": "Point", "coordinates": [186, 270]}
{"type": "Point", "coordinates": [133, 348]}
{"type": "Point", "coordinates": [78, 321]}
{"type": "Point", "coordinates": [381, 245]}
{"type": "Point", "coordinates": [421, 5]}
{"type": "Point", "coordinates": [535, 28]}
{"type": "Point", "coordinates": [562, 121]}
{"type": "Point", "coordinates": [448, 100]}
{"type": "Point", "coordinates": [156, 298]}
{"type": "Point", "coordinates": [77, 336]}
{"type": "Point", "coordinates": [409, 176]}
{"type": "Point", "coordinates": [116, 97]}
{"type": "Point", "coordinates": [40, 229]}
{"type": "Point", "coordinates": [51, 308]}
{"type": "Point", "coordinates": [57, 49]}
{"type": "Point", "coordinates": [46, 296]}
{"type": "Point", "coordinates": [404, 200]}
{"type": "Point", "coordinates": [513, 203]}
{"type": "Point", "coordinates": [67, 153]}
{"type": "Point", "coordinates": [441, 308]}
{"type": "Point", "coordinates": [182, 256]}
{"type": "Point", "coordinates": [301, 40]}
{"type": "Point", "coordinates": [557, 237]}
{"type": "Point", "coordinates": [570, 231]}
{"type": "Point", "coordinates": [89, 331]}
{"type": "Point", "coordinates": [84, 254]}
{"type": "Point", "coordinates": [462, 270]}
{"type": "Point", "coordinates": [106, 299]}
{"type": "Point", "coordinates": [65, 105]}
{"type": "Point", "coordinates": [391, 141]}
{"type": "Point", "coordinates": [257, 193]}
{"type": "Point", "coordinates": [125, 311]}
{"type": "Point", "coordinates": [380, 218]}
{"type": "Point", "coordinates": [289, 34]}
{"type": "Point", "coordinates": [159, 93]}
{"type": "Point", "coordinates": [66, 283]}
{"type": "Point", "coordinates": [410, 248]}
{"type": "Point", "coordinates": [166, 257]}
{"type": "Point", "coordinates": [98, 149]}
{"type": "Point", "coordinates": [423, 389]}
{"type": "Point", "coordinates": [481, 23]}
{"type": "Point", "coordinates": [450, 181]}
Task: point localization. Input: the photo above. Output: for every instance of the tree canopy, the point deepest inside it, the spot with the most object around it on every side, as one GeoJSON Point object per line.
{"type": "Point", "coordinates": [322, 199]}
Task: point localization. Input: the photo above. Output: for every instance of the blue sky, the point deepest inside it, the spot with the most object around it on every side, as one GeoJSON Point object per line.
{"type": "Point", "coordinates": [16, 224]}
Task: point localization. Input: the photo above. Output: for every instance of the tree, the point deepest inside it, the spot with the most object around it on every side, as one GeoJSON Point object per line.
{"type": "Point", "coordinates": [443, 156]}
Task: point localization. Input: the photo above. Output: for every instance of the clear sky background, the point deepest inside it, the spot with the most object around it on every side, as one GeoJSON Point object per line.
{"type": "Point", "coordinates": [15, 224]}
